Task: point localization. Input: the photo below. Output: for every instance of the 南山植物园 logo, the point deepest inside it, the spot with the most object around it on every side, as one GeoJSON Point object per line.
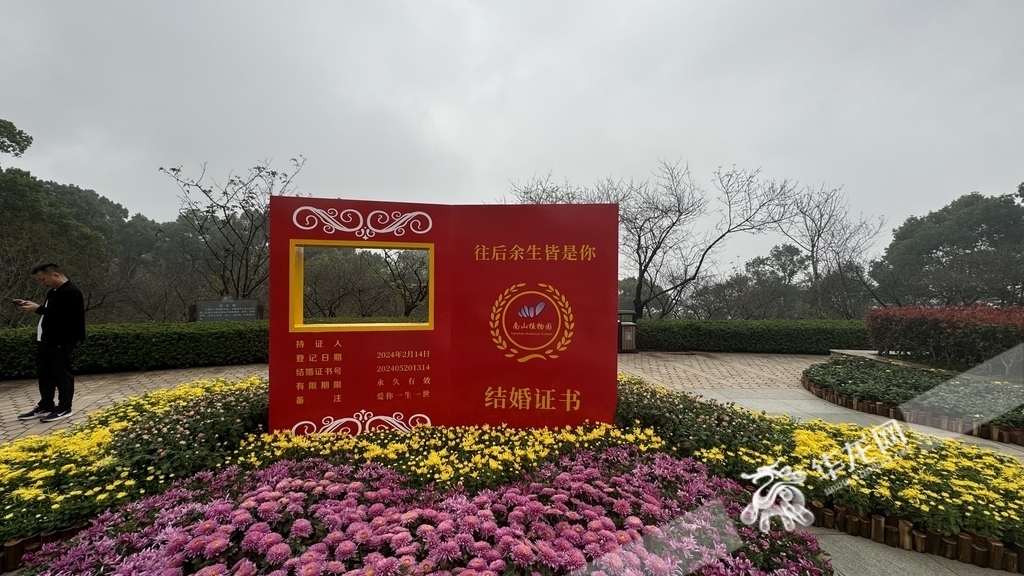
{"type": "Point", "coordinates": [529, 323]}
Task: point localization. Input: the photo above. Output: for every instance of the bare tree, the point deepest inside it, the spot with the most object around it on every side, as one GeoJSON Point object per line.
{"type": "Point", "coordinates": [173, 277]}
{"type": "Point", "coordinates": [848, 261]}
{"type": "Point", "coordinates": [230, 220]}
{"type": "Point", "coordinates": [408, 274]}
{"type": "Point", "coordinates": [348, 283]}
{"type": "Point", "coordinates": [659, 220]}
{"type": "Point", "coordinates": [821, 226]}
{"type": "Point", "coordinates": [747, 204]}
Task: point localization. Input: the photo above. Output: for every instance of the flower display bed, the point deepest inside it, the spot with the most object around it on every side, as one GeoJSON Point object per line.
{"type": "Point", "coordinates": [964, 404]}
{"type": "Point", "coordinates": [515, 501]}
{"type": "Point", "coordinates": [617, 509]}
{"type": "Point", "coordinates": [938, 486]}
{"type": "Point", "coordinates": [600, 486]}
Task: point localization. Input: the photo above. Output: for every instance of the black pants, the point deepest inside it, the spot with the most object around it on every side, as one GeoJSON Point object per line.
{"type": "Point", "coordinates": [54, 364]}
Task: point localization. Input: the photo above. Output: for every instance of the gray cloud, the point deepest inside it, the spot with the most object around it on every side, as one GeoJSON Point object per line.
{"type": "Point", "coordinates": [908, 105]}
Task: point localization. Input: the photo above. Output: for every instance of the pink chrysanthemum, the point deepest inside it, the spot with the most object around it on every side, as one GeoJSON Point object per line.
{"type": "Point", "coordinates": [547, 554]}
{"type": "Point", "coordinates": [220, 510]}
{"type": "Point", "coordinates": [195, 546]}
{"type": "Point", "coordinates": [345, 550]}
{"type": "Point", "coordinates": [488, 528]}
{"type": "Point", "coordinates": [176, 542]}
{"type": "Point", "coordinates": [301, 528]}
{"type": "Point", "coordinates": [217, 544]}
{"type": "Point", "coordinates": [251, 541]}
{"type": "Point", "coordinates": [278, 553]}
{"type": "Point", "coordinates": [310, 569]}
{"type": "Point", "coordinates": [309, 556]}
{"type": "Point", "coordinates": [408, 550]}
{"type": "Point", "coordinates": [522, 554]}
{"type": "Point", "coordinates": [241, 518]}
{"type": "Point", "coordinates": [386, 567]}
{"type": "Point", "coordinates": [244, 567]}
{"type": "Point", "coordinates": [572, 560]}
{"type": "Point", "coordinates": [446, 528]}
{"type": "Point", "coordinates": [215, 570]}
{"type": "Point", "coordinates": [270, 539]}
{"type": "Point", "coordinates": [447, 551]}
{"type": "Point", "coordinates": [269, 510]}
{"type": "Point", "coordinates": [401, 538]}
{"type": "Point", "coordinates": [333, 538]}
{"type": "Point", "coordinates": [206, 527]}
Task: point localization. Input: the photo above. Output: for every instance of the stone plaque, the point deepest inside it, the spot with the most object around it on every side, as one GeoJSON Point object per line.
{"type": "Point", "coordinates": [226, 310]}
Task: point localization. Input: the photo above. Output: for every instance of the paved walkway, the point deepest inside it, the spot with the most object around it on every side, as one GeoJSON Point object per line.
{"type": "Point", "coordinates": [95, 391]}
{"type": "Point", "coordinates": [769, 382]}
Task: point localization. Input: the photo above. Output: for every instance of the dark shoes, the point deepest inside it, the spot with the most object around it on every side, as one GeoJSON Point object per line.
{"type": "Point", "coordinates": [35, 413]}
{"type": "Point", "coordinates": [56, 415]}
{"type": "Point", "coordinates": [45, 414]}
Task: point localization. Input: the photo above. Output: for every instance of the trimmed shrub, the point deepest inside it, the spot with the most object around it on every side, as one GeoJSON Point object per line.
{"type": "Point", "coordinates": [766, 336]}
{"type": "Point", "coordinates": [948, 336]}
{"type": "Point", "coordinates": [124, 347]}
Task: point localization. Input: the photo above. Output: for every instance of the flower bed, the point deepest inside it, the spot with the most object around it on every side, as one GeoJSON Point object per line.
{"type": "Point", "coordinates": [689, 424]}
{"type": "Point", "coordinates": [943, 486]}
{"type": "Point", "coordinates": [471, 457]}
{"type": "Point", "coordinates": [136, 447]}
{"type": "Point", "coordinates": [615, 510]}
{"type": "Point", "coordinates": [964, 397]}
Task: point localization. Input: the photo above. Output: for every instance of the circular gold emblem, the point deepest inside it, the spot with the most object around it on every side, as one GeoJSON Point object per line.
{"type": "Point", "coordinates": [528, 324]}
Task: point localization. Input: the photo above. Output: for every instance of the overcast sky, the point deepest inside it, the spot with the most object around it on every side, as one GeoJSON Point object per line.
{"type": "Point", "coordinates": [907, 105]}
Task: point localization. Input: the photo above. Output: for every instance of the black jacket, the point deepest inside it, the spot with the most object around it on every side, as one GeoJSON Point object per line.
{"type": "Point", "coordinates": [63, 315]}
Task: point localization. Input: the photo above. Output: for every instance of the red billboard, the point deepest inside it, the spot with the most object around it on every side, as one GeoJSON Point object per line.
{"type": "Point", "coordinates": [514, 324]}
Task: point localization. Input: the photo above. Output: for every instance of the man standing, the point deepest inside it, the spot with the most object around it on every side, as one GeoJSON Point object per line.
{"type": "Point", "coordinates": [61, 327]}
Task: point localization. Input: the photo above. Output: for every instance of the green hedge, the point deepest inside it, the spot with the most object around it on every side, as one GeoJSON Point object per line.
{"type": "Point", "coordinates": [766, 336]}
{"type": "Point", "coordinates": [364, 320]}
{"type": "Point", "coordinates": [955, 337]}
{"type": "Point", "coordinates": [125, 347]}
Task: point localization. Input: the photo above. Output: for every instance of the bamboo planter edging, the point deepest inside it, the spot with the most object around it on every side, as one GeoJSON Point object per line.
{"type": "Point", "coordinates": [13, 551]}
{"type": "Point", "coordinates": [899, 533]}
{"type": "Point", "coordinates": [943, 422]}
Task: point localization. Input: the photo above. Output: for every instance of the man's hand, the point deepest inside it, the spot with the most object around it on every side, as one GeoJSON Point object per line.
{"type": "Point", "coordinates": [27, 305]}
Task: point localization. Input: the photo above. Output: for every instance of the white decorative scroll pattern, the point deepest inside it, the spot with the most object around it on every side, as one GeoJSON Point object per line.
{"type": "Point", "coordinates": [362, 421]}
{"type": "Point", "coordinates": [351, 220]}
{"type": "Point", "coordinates": [332, 219]}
